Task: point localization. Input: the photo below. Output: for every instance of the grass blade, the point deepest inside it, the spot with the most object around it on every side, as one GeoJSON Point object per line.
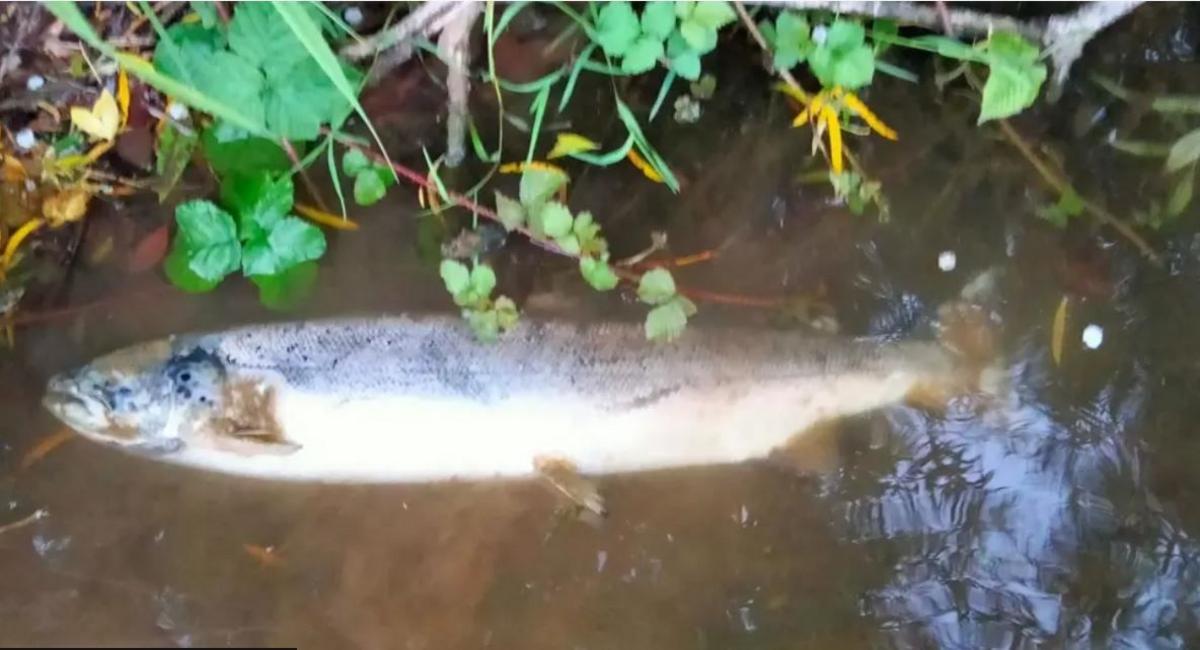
{"type": "Point", "coordinates": [331, 161]}
{"type": "Point", "coordinates": [309, 34]}
{"type": "Point", "coordinates": [662, 93]}
{"type": "Point", "coordinates": [575, 70]}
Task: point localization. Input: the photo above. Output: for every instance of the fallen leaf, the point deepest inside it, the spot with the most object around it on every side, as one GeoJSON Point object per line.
{"type": "Point", "coordinates": [325, 218]}
{"type": "Point", "coordinates": [123, 95]}
{"type": "Point", "coordinates": [150, 250]}
{"type": "Point", "coordinates": [67, 206]}
{"type": "Point", "coordinates": [1058, 330]}
{"type": "Point", "coordinates": [643, 166]}
{"type": "Point", "coordinates": [101, 121]}
{"type": "Point", "coordinates": [45, 446]}
{"type": "Point", "coordinates": [265, 555]}
{"type": "Point", "coordinates": [14, 242]}
{"type": "Point", "coordinates": [569, 143]}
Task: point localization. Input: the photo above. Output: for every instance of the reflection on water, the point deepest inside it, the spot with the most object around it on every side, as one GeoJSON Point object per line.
{"type": "Point", "coordinates": [1060, 514]}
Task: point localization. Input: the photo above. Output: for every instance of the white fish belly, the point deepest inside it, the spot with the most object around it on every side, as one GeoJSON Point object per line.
{"type": "Point", "coordinates": [409, 439]}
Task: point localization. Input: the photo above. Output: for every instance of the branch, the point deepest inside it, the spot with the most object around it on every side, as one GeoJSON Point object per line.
{"type": "Point", "coordinates": [1062, 36]}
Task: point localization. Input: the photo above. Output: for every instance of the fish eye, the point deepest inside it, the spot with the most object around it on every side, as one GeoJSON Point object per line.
{"type": "Point", "coordinates": [185, 376]}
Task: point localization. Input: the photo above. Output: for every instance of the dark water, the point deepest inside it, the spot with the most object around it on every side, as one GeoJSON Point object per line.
{"type": "Point", "coordinates": [1063, 516]}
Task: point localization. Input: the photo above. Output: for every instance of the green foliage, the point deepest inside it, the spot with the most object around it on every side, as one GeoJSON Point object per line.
{"type": "Point", "coordinates": [232, 150]}
{"type": "Point", "coordinates": [1185, 151]}
{"type": "Point", "coordinates": [173, 151]}
{"type": "Point", "coordinates": [1069, 205]}
{"type": "Point", "coordinates": [679, 31]}
{"type": "Point", "coordinates": [510, 212]}
{"type": "Point", "coordinates": [843, 58]}
{"type": "Point", "coordinates": [472, 290]}
{"type": "Point", "coordinates": [371, 180]}
{"type": "Point", "coordinates": [597, 272]}
{"type": "Point", "coordinates": [259, 66]}
{"type": "Point", "coordinates": [858, 193]}
{"type": "Point", "coordinates": [671, 311]}
{"type": "Point", "coordinates": [1015, 76]}
{"type": "Point", "coordinates": [790, 38]}
{"type": "Point", "coordinates": [264, 240]}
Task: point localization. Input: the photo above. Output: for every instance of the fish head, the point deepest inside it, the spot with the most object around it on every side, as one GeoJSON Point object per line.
{"type": "Point", "coordinates": [143, 398]}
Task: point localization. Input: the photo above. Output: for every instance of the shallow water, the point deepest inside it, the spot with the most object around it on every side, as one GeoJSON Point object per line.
{"type": "Point", "coordinates": [1061, 516]}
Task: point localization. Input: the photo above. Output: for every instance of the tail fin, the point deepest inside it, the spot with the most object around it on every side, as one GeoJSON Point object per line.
{"type": "Point", "coordinates": [969, 328]}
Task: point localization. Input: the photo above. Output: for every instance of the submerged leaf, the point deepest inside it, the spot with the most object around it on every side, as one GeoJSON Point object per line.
{"type": "Point", "coordinates": [208, 238]}
{"type": "Point", "coordinates": [288, 289]}
{"type": "Point", "coordinates": [569, 143]}
{"type": "Point", "coordinates": [510, 212]}
{"type": "Point", "coordinates": [1058, 330]}
{"type": "Point", "coordinates": [1185, 151]}
{"type": "Point", "coordinates": [656, 287]}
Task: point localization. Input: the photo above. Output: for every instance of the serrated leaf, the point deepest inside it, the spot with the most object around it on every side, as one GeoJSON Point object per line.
{"type": "Point", "coordinates": [569, 244]}
{"type": "Point", "coordinates": [209, 240]}
{"type": "Point", "coordinates": [568, 143]}
{"type": "Point", "coordinates": [555, 219]}
{"type": "Point", "coordinates": [684, 8]}
{"type": "Point", "coordinates": [455, 276]}
{"type": "Point", "coordinates": [259, 35]}
{"type": "Point", "coordinates": [355, 162]}
{"type": "Point", "coordinates": [844, 35]}
{"type": "Point", "coordinates": [1010, 89]}
{"type": "Point", "coordinates": [617, 27]}
{"type": "Point", "coordinates": [793, 40]}
{"type": "Point", "coordinates": [295, 240]}
{"type": "Point", "coordinates": [510, 212]}
{"type": "Point", "coordinates": [539, 184]}
{"type": "Point", "coordinates": [1184, 152]}
{"type": "Point", "coordinates": [302, 99]}
{"type": "Point", "coordinates": [656, 287]}
{"type": "Point", "coordinates": [642, 55]}
{"type": "Point", "coordinates": [687, 65]}
{"type": "Point", "coordinates": [658, 19]}
{"type": "Point", "coordinates": [259, 200]}
{"type": "Point", "coordinates": [485, 324]}
{"type": "Point", "coordinates": [506, 313]}
{"type": "Point", "coordinates": [598, 274]}
{"type": "Point", "coordinates": [713, 14]}
{"type": "Point", "coordinates": [666, 322]}
{"type": "Point", "coordinates": [699, 38]}
{"type": "Point", "coordinates": [483, 280]}
{"type": "Point", "coordinates": [180, 273]}
{"type": "Point", "coordinates": [232, 150]}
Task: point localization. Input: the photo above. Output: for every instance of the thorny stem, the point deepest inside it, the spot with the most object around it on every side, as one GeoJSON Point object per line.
{"type": "Point", "coordinates": [1061, 186]}
{"type": "Point", "coordinates": [632, 277]}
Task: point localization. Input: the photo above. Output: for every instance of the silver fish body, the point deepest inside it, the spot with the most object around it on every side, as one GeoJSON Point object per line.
{"type": "Point", "coordinates": [402, 399]}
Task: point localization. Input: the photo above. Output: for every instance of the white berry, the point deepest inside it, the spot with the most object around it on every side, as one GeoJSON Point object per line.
{"type": "Point", "coordinates": [25, 139]}
{"type": "Point", "coordinates": [947, 261]}
{"type": "Point", "coordinates": [177, 111]}
{"type": "Point", "coordinates": [1093, 336]}
{"type": "Point", "coordinates": [35, 82]}
{"type": "Point", "coordinates": [353, 16]}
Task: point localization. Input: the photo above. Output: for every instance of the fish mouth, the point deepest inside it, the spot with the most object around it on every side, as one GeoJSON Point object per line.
{"type": "Point", "coordinates": [84, 414]}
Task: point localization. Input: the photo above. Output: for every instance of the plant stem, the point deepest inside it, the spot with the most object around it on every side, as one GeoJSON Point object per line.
{"type": "Point", "coordinates": [1061, 186]}
{"type": "Point", "coordinates": [420, 180]}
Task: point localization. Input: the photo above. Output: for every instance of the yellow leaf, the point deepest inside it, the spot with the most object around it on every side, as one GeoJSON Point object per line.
{"type": "Point", "coordinates": [518, 167]}
{"type": "Point", "coordinates": [325, 218]}
{"type": "Point", "coordinates": [569, 143]}
{"type": "Point", "coordinates": [835, 138]}
{"type": "Point", "coordinates": [67, 206]}
{"type": "Point", "coordinates": [641, 164]}
{"type": "Point", "coordinates": [14, 242]}
{"type": "Point", "coordinates": [102, 121]}
{"type": "Point", "coordinates": [860, 109]}
{"type": "Point", "coordinates": [1058, 331]}
{"type": "Point", "coordinates": [123, 95]}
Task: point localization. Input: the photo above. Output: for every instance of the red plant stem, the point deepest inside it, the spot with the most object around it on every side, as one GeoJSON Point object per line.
{"type": "Point", "coordinates": [629, 276]}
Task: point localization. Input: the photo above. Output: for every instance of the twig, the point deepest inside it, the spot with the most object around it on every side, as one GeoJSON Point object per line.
{"type": "Point", "coordinates": [454, 44]}
{"type": "Point", "coordinates": [40, 513]}
{"type": "Point", "coordinates": [419, 22]}
{"type": "Point", "coordinates": [1061, 186]}
{"type": "Point", "coordinates": [460, 200]}
{"type": "Point", "coordinates": [296, 165]}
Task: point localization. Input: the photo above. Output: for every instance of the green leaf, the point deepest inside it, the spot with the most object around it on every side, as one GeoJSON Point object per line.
{"type": "Point", "coordinates": [570, 244]}
{"type": "Point", "coordinates": [297, 104]}
{"type": "Point", "coordinates": [666, 322]}
{"type": "Point", "coordinates": [793, 40]}
{"type": "Point", "coordinates": [259, 200]}
{"type": "Point", "coordinates": [537, 185]}
{"type": "Point", "coordinates": [485, 324]}
{"type": "Point", "coordinates": [658, 19]}
{"type": "Point", "coordinates": [506, 313]}
{"type": "Point", "coordinates": [586, 229]}
{"type": "Point", "coordinates": [181, 275]}
{"type": "Point", "coordinates": [209, 240]}
{"type": "Point", "coordinates": [1181, 194]}
{"type": "Point", "coordinates": [1015, 77]}
{"type": "Point", "coordinates": [173, 152]}
{"type": "Point", "coordinates": [370, 186]}
{"type": "Point", "coordinates": [510, 212]}
{"type": "Point", "coordinates": [656, 287]}
{"type": "Point", "coordinates": [844, 35]}
{"type": "Point", "coordinates": [207, 11]}
{"type": "Point", "coordinates": [687, 65]}
{"type": "Point", "coordinates": [259, 35]}
{"type": "Point", "coordinates": [483, 280]}
{"type": "Point", "coordinates": [684, 8]}
{"type": "Point", "coordinates": [700, 38]}
{"type": "Point", "coordinates": [355, 162]}
{"type": "Point", "coordinates": [232, 150]}
{"type": "Point", "coordinates": [642, 55]}
{"type": "Point", "coordinates": [555, 219]}
{"type": "Point", "coordinates": [617, 27]}
{"type": "Point", "coordinates": [455, 275]}
{"type": "Point", "coordinates": [713, 14]}
{"type": "Point", "coordinates": [295, 240]}
{"type": "Point", "coordinates": [287, 289]}
{"type": "Point", "coordinates": [1184, 152]}
{"type": "Point", "coordinates": [199, 61]}
{"type": "Point", "coordinates": [598, 274]}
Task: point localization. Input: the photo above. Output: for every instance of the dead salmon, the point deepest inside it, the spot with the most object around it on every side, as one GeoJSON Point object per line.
{"type": "Point", "coordinates": [401, 399]}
